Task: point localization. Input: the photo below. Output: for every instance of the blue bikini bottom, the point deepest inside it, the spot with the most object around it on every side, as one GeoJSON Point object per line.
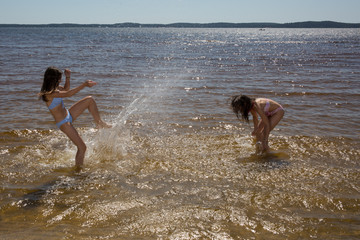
{"type": "Point", "coordinates": [68, 118]}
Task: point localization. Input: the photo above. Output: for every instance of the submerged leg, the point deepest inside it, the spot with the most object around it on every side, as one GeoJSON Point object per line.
{"type": "Point", "coordinates": [74, 136]}
{"type": "Point", "coordinates": [259, 136]}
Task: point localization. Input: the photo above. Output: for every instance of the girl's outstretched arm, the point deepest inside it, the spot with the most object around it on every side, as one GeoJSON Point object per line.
{"type": "Point", "coordinates": [71, 92]}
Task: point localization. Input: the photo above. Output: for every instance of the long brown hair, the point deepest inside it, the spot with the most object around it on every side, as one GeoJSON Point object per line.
{"type": "Point", "coordinates": [52, 78]}
{"type": "Point", "coordinates": [241, 106]}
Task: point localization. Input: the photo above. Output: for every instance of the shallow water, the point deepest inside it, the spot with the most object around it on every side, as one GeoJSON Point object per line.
{"type": "Point", "coordinates": [177, 164]}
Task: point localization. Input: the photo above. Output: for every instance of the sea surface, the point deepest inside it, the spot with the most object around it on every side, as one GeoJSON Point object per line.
{"type": "Point", "coordinates": [177, 164]}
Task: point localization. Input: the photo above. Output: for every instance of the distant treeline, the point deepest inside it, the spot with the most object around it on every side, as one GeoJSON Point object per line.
{"type": "Point", "coordinates": [309, 24]}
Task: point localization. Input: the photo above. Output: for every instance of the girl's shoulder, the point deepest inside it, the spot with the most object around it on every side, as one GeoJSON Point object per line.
{"type": "Point", "coordinates": [50, 96]}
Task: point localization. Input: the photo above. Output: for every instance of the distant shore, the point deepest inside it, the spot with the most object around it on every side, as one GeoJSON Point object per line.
{"type": "Point", "coordinates": [308, 24]}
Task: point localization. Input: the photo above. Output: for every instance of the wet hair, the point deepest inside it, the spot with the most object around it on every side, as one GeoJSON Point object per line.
{"type": "Point", "coordinates": [241, 106]}
{"type": "Point", "coordinates": [52, 78]}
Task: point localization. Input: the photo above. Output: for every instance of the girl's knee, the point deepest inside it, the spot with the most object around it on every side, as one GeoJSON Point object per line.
{"type": "Point", "coordinates": [82, 147]}
{"type": "Point", "coordinates": [90, 98]}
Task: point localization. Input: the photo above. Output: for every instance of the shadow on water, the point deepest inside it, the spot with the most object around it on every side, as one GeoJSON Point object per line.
{"type": "Point", "coordinates": [34, 197]}
{"type": "Point", "coordinates": [270, 160]}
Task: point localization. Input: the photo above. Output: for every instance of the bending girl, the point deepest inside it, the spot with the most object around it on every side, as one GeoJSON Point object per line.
{"type": "Point", "coordinates": [52, 94]}
{"type": "Point", "coordinates": [270, 113]}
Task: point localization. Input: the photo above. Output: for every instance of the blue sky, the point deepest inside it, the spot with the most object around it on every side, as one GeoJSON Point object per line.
{"type": "Point", "coordinates": [171, 11]}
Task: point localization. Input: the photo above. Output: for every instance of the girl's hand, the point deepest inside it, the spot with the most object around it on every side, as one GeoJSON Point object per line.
{"type": "Point", "coordinates": [90, 83]}
{"type": "Point", "coordinates": [67, 73]}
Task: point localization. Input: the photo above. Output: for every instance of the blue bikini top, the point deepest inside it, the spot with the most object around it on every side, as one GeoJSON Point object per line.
{"type": "Point", "coordinates": [55, 102]}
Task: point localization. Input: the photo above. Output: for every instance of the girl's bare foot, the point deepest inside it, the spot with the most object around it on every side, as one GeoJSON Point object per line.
{"type": "Point", "coordinates": [102, 124]}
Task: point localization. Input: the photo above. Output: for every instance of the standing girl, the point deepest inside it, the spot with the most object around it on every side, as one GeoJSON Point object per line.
{"type": "Point", "coordinates": [270, 113]}
{"type": "Point", "coordinates": [52, 94]}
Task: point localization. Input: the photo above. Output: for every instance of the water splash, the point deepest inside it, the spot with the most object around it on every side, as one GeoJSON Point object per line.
{"type": "Point", "coordinates": [123, 116]}
{"type": "Point", "coordinates": [113, 143]}
{"type": "Point", "coordinates": [141, 117]}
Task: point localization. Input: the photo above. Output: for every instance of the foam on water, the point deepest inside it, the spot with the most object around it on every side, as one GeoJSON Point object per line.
{"type": "Point", "coordinates": [172, 186]}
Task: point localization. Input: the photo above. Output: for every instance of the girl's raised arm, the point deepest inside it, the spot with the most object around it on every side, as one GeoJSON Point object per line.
{"type": "Point", "coordinates": [67, 80]}
{"type": "Point", "coordinates": [66, 86]}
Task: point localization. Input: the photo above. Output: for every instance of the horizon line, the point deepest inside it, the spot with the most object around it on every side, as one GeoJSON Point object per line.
{"type": "Point", "coordinates": [304, 24]}
{"type": "Point", "coordinates": [184, 22]}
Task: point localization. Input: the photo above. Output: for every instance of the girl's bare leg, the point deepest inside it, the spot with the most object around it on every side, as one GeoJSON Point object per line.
{"type": "Point", "coordinates": [276, 118]}
{"type": "Point", "coordinates": [273, 120]}
{"type": "Point", "coordinates": [74, 136]}
{"type": "Point", "coordinates": [90, 104]}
